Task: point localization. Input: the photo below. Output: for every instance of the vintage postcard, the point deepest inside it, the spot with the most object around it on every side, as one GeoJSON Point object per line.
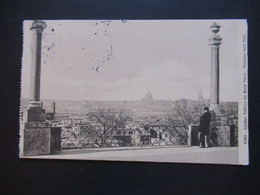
{"type": "Point", "coordinates": [170, 91]}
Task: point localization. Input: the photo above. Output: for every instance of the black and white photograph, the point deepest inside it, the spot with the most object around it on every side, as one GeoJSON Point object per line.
{"type": "Point", "coordinates": [172, 91]}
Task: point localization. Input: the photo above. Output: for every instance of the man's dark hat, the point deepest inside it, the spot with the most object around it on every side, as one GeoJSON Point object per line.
{"type": "Point", "coordinates": [206, 108]}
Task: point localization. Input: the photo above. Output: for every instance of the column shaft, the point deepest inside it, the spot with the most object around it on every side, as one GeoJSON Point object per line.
{"type": "Point", "coordinates": [214, 95]}
{"type": "Point", "coordinates": [214, 43]}
{"type": "Point", "coordinates": [36, 66]}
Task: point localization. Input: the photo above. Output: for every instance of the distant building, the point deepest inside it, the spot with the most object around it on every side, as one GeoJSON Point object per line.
{"type": "Point", "coordinates": [149, 96]}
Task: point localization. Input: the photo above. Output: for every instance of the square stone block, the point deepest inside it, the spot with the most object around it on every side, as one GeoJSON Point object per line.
{"type": "Point", "coordinates": [40, 139]}
{"type": "Point", "coordinates": [225, 135]}
{"type": "Point", "coordinates": [37, 141]}
{"type": "Point", "coordinates": [34, 114]}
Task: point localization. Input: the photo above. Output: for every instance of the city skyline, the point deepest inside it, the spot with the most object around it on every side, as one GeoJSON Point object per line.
{"type": "Point", "coordinates": [122, 60]}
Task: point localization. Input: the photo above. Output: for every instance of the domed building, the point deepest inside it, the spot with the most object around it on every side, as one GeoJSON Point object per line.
{"type": "Point", "coordinates": [149, 96]}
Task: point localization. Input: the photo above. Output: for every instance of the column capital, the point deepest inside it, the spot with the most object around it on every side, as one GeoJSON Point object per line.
{"type": "Point", "coordinates": [215, 41]}
{"type": "Point", "coordinates": [38, 26]}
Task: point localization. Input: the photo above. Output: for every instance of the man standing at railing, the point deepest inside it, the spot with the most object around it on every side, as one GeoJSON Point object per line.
{"type": "Point", "coordinates": [204, 128]}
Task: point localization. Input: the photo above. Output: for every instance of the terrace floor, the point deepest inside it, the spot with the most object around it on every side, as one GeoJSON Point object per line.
{"type": "Point", "coordinates": [183, 154]}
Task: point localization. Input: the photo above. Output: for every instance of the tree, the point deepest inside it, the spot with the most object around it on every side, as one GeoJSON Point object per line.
{"type": "Point", "coordinates": [184, 113]}
{"type": "Point", "coordinates": [104, 124]}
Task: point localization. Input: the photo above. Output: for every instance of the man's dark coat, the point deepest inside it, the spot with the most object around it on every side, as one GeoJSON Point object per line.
{"type": "Point", "coordinates": [205, 123]}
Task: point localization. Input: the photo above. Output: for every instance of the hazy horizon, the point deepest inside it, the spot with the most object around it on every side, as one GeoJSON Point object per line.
{"type": "Point", "coordinates": [49, 99]}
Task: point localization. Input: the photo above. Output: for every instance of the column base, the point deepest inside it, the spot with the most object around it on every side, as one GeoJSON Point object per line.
{"type": "Point", "coordinates": [34, 104]}
{"type": "Point", "coordinates": [33, 114]}
{"type": "Point", "coordinates": [218, 117]}
{"type": "Point", "coordinates": [215, 108]}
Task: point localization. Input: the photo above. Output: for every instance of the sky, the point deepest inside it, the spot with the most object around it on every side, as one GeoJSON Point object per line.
{"type": "Point", "coordinates": [123, 59]}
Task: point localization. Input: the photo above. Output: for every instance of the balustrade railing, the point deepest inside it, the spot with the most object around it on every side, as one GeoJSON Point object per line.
{"type": "Point", "coordinates": [82, 136]}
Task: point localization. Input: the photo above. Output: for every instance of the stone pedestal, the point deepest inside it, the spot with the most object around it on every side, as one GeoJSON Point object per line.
{"type": "Point", "coordinates": [36, 141]}
{"type": "Point", "coordinates": [40, 139]}
{"type": "Point", "coordinates": [37, 138]}
{"type": "Point", "coordinates": [222, 135]}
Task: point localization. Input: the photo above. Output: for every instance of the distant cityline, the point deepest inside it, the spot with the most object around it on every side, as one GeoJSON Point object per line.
{"type": "Point", "coordinates": [147, 97]}
{"type": "Point", "coordinates": [102, 100]}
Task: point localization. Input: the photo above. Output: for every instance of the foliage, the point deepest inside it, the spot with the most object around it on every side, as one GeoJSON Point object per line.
{"type": "Point", "coordinates": [105, 123]}
{"type": "Point", "coordinates": [184, 113]}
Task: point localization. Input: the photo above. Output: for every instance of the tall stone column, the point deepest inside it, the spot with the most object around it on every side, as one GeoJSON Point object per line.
{"type": "Point", "coordinates": [35, 112]}
{"type": "Point", "coordinates": [215, 42]}
{"type": "Point", "coordinates": [221, 133]}
{"type": "Point", "coordinates": [37, 135]}
{"type": "Point", "coordinates": [35, 84]}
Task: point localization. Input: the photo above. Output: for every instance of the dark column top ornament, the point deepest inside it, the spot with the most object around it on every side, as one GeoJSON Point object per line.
{"type": "Point", "coordinates": [215, 41]}
{"type": "Point", "coordinates": [38, 26]}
